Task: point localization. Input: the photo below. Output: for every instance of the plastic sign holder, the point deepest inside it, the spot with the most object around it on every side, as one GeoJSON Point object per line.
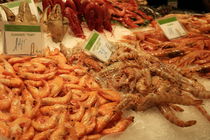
{"type": "Point", "coordinates": [98, 46]}
{"type": "Point", "coordinates": [22, 39]}
{"type": "Point", "coordinates": [172, 28]}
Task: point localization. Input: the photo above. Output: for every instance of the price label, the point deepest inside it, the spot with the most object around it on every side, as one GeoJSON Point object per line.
{"type": "Point", "coordinates": [98, 46]}
{"type": "Point", "coordinates": [14, 7]}
{"type": "Point", "coordinates": [172, 28]}
{"type": "Point", "coordinates": [22, 39]}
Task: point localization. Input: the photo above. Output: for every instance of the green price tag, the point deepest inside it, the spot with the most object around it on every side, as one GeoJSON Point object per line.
{"type": "Point", "coordinates": [171, 27]}
{"type": "Point", "coordinates": [98, 46]}
{"type": "Point", "coordinates": [22, 39]}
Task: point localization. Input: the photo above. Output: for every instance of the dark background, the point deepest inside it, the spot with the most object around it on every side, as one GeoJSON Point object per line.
{"type": "Point", "coordinates": [197, 5]}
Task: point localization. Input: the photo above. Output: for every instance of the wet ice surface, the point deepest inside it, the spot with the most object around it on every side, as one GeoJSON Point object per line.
{"type": "Point", "coordinates": [151, 125]}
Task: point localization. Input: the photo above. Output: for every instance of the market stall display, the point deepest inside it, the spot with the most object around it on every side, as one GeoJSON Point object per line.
{"type": "Point", "coordinates": [148, 83]}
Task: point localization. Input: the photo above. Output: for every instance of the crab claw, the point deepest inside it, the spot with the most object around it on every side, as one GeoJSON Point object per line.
{"type": "Point", "coordinates": [10, 15]}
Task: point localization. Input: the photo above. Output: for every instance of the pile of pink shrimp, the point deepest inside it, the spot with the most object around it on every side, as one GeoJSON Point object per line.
{"type": "Point", "coordinates": [45, 98]}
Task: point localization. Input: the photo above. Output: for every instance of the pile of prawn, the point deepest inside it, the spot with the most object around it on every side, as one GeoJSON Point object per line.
{"type": "Point", "coordinates": [191, 52]}
{"type": "Point", "coordinates": [45, 98]}
{"type": "Point", "coordinates": [146, 82]}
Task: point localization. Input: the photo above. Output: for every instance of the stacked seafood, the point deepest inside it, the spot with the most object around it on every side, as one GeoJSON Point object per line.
{"type": "Point", "coordinates": [191, 53]}
{"type": "Point", "coordinates": [146, 82]}
{"type": "Point", "coordinates": [45, 98]}
{"type": "Point", "coordinates": [97, 14]}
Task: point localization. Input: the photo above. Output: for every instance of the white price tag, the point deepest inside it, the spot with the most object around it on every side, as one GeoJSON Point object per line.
{"type": "Point", "coordinates": [14, 6]}
{"type": "Point", "coordinates": [172, 28]}
{"type": "Point", "coordinates": [22, 39]}
{"type": "Point", "coordinates": [98, 46]}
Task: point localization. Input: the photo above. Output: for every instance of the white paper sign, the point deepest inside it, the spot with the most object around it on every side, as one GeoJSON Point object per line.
{"type": "Point", "coordinates": [172, 28]}
{"type": "Point", "coordinates": [98, 46]}
{"type": "Point", "coordinates": [22, 39]}
{"type": "Point", "coordinates": [14, 6]}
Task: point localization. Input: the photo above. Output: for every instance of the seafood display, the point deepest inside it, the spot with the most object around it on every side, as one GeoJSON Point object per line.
{"type": "Point", "coordinates": [24, 14]}
{"type": "Point", "coordinates": [147, 82]}
{"type": "Point", "coordinates": [45, 98]}
{"type": "Point", "coordinates": [191, 53]}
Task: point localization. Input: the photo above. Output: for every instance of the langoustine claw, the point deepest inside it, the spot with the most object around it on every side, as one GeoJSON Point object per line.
{"type": "Point", "coordinates": [169, 115]}
{"type": "Point", "coordinates": [119, 127]}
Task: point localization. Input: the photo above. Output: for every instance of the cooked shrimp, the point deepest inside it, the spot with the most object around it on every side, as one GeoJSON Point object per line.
{"type": "Point", "coordinates": [91, 99]}
{"type": "Point", "coordinates": [107, 108]}
{"type": "Point", "coordinates": [4, 129]}
{"type": "Point", "coordinates": [57, 100]}
{"type": "Point", "coordinates": [73, 86]}
{"type": "Point", "coordinates": [50, 110]}
{"type": "Point", "coordinates": [14, 60]}
{"type": "Point", "coordinates": [78, 115]}
{"type": "Point", "coordinates": [102, 122]}
{"type": "Point", "coordinates": [110, 95]}
{"type": "Point", "coordinates": [56, 86]}
{"type": "Point", "coordinates": [89, 121]}
{"type": "Point", "coordinates": [40, 92]}
{"type": "Point", "coordinates": [49, 124]}
{"type": "Point", "coordinates": [11, 82]}
{"type": "Point", "coordinates": [59, 133]}
{"type": "Point", "coordinates": [94, 137]}
{"type": "Point", "coordinates": [43, 135]}
{"type": "Point", "coordinates": [80, 129]}
{"type": "Point", "coordinates": [16, 107]}
{"type": "Point", "coordinates": [70, 78]}
{"type": "Point", "coordinates": [34, 67]}
{"type": "Point", "coordinates": [18, 126]}
{"type": "Point", "coordinates": [44, 60]}
{"type": "Point", "coordinates": [5, 103]}
{"type": "Point", "coordinates": [33, 83]}
{"type": "Point", "coordinates": [31, 109]}
{"type": "Point", "coordinates": [5, 116]}
{"type": "Point", "coordinates": [36, 76]}
{"type": "Point", "coordinates": [28, 135]}
{"type": "Point", "coordinates": [78, 95]}
{"type": "Point", "coordinates": [101, 100]}
{"type": "Point", "coordinates": [26, 95]}
{"type": "Point", "coordinates": [119, 127]}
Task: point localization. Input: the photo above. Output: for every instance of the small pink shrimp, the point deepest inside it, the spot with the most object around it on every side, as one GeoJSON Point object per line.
{"type": "Point", "coordinates": [110, 95]}
{"type": "Point", "coordinates": [78, 95]}
{"type": "Point", "coordinates": [5, 116]}
{"type": "Point", "coordinates": [44, 60]}
{"type": "Point", "coordinates": [4, 129]}
{"type": "Point", "coordinates": [56, 86]}
{"type": "Point", "coordinates": [50, 110]}
{"type": "Point", "coordinates": [107, 108]}
{"type": "Point", "coordinates": [59, 133]}
{"type": "Point", "coordinates": [16, 107]}
{"type": "Point", "coordinates": [34, 67]}
{"type": "Point", "coordinates": [80, 129]}
{"type": "Point", "coordinates": [49, 124]}
{"type": "Point", "coordinates": [94, 137]}
{"type": "Point", "coordinates": [31, 109]}
{"type": "Point", "coordinates": [8, 67]}
{"type": "Point", "coordinates": [12, 82]}
{"type": "Point", "coordinates": [26, 95]}
{"type": "Point", "coordinates": [89, 121]}
{"type": "Point", "coordinates": [91, 99]}
{"type": "Point", "coordinates": [5, 103]}
{"type": "Point", "coordinates": [119, 127]}
{"type": "Point", "coordinates": [28, 135]}
{"type": "Point", "coordinates": [33, 83]}
{"type": "Point", "coordinates": [43, 135]}
{"type": "Point", "coordinates": [40, 92]}
{"type": "Point", "coordinates": [57, 100]}
{"type": "Point", "coordinates": [78, 115]}
{"type": "Point", "coordinates": [70, 78]}
{"type": "Point", "coordinates": [14, 60]}
{"type": "Point", "coordinates": [18, 126]}
{"type": "Point", "coordinates": [37, 76]}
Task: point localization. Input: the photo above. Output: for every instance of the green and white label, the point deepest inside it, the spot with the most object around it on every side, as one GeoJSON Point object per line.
{"type": "Point", "coordinates": [22, 39]}
{"type": "Point", "coordinates": [171, 27]}
{"type": "Point", "coordinates": [98, 46]}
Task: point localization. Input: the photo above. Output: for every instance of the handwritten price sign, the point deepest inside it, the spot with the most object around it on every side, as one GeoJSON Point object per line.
{"type": "Point", "coordinates": [22, 39]}
{"type": "Point", "coordinates": [172, 28]}
{"type": "Point", "coordinates": [98, 46]}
